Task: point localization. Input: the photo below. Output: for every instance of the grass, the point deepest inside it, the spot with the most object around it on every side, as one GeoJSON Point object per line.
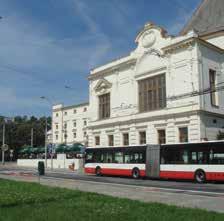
{"type": "Point", "coordinates": [34, 202]}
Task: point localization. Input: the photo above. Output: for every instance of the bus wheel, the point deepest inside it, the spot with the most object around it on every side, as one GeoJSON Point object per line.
{"type": "Point", "coordinates": [98, 171]}
{"type": "Point", "coordinates": [135, 173]}
{"type": "Point", "coordinates": [200, 176]}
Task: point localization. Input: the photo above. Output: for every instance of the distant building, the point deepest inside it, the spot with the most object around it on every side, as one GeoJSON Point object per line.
{"type": "Point", "coordinates": [69, 124]}
{"type": "Point", "coordinates": [49, 137]}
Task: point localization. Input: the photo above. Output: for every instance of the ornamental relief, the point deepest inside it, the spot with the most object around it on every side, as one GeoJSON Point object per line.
{"type": "Point", "coordinates": [148, 39]}
{"type": "Point", "coordinates": [103, 86]}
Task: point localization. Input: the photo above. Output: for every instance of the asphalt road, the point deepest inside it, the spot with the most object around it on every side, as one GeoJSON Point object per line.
{"type": "Point", "coordinates": [187, 187]}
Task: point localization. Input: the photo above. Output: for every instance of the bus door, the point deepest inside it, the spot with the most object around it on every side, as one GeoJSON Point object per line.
{"type": "Point", "coordinates": [153, 161]}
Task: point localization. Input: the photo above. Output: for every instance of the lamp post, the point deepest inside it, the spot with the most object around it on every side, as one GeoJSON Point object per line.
{"type": "Point", "coordinates": [48, 100]}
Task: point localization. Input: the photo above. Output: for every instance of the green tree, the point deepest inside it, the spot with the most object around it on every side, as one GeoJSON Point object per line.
{"type": "Point", "coordinates": [18, 131]}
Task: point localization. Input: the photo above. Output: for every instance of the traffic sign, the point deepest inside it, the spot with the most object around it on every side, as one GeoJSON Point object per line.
{"type": "Point", "coordinates": [4, 147]}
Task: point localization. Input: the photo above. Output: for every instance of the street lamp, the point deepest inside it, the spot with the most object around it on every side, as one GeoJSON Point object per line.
{"type": "Point", "coordinates": [49, 101]}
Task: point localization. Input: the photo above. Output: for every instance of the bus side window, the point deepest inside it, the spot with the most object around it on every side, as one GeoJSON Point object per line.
{"type": "Point", "coordinates": [127, 158]}
{"type": "Point", "coordinates": [89, 157]}
{"type": "Point", "coordinates": [193, 158]}
{"type": "Point", "coordinates": [118, 157]}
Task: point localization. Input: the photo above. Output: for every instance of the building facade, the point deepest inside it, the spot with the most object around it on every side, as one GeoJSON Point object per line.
{"type": "Point", "coordinates": [69, 124]}
{"type": "Point", "coordinates": [166, 91]}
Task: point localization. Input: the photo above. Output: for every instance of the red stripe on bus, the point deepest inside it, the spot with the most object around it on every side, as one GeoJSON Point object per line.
{"type": "Point", "coordinates": [215, 176]}
{"type": "Point", "coordinates": [115, 172]}
{"type": "Point", "coordinates": [90, 170]}
{"type": "Point", "coordinates": [190, 175]}
{"type": "Point", "coordinates": [177, 175]}
{"type": "Point", "coordinates": [163, 174]}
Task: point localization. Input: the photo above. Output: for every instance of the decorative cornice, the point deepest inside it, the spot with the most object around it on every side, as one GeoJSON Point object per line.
{"type": "Point", "coordinates": [155, 70]}
{"type": "Point", "coordinates": [71, 107]}
{"type": "Point", "coordinates": [106, 123]}
{"type": "Point", "coordinates": [179, 45]}
{"type": "Point", "coordinates": [112, 69]}
{"type": "Point", "coordinates": [189, 43]}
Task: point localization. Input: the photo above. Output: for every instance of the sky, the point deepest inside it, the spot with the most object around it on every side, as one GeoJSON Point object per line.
{"type": "Point", "coordinates": [46, 45]}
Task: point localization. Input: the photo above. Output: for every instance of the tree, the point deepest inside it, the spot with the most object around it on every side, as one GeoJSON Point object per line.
{"type": "Point", "coordinates": [18, 131]}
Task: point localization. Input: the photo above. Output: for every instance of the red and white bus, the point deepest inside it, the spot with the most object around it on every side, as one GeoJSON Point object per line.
{"type": "Point", "coordinates": [193, 161]}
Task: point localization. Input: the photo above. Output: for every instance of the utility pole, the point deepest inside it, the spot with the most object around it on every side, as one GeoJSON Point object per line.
{"type": "Point", "coordinates": [49, 101]}
{"type": "Point", "coordinates": [31, 137]}
{"type": "Point", "coordinates": [45, 142]}
{"type": "Point", "coordinates": [3, 143]}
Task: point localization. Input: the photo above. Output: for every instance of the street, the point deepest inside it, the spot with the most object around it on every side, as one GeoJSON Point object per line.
{"type": "Point", "coordinates": [209, 196]}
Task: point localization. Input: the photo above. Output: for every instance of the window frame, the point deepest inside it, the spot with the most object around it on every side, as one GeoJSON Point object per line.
{"type": "Point", "coordinates": [104, 111]}
{"type": "Point", "coordinates": [152, 93]}
{"type": "Point", "coordinates": [97, 140]}
{"type": "Point", "coordinates": [161, 138]}
{"type": "Point", "coordinates": [110, 140]}
{"type": "Point", "coordinates": [125, 139]}
{"type": "Point", "coordinates": [141, 138]}
{"type": "Point", "coordinates": [179, 133]}
{"type": "Point", "coordinates": [212, 86]}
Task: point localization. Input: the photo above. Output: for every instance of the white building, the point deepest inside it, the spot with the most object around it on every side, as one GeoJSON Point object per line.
{"type": "Point", "coordinates": [168, 90]}
{"type": "Point", "coordinates": [69, 124]}
{"type": "Point", "coordinates": [49, 137]}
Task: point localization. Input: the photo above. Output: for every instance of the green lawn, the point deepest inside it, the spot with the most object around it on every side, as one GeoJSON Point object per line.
{"type": "Point", "coordinates": [30, 201]}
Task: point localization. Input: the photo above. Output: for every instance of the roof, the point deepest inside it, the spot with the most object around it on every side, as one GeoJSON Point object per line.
{"type": "Point", "coordinates": [71, 106]}
{"type": "Point", "coordinates": [208, 18]}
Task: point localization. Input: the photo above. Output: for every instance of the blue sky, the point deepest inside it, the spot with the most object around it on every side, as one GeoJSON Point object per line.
{"type": "Point", "coordinates": [47, 44]}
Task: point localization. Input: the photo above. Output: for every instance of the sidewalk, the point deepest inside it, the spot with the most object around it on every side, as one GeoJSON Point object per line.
{"type": "Point", "coordinates": [14, 166]}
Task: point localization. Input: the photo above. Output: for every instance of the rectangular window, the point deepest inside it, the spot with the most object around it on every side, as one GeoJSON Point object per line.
{"type": "Point", "coordinates": [213, 92]}
{"type": "Point", "coordinates": [170, 155]}
{"type": "Point", "coordinates": [56, 137]}
{"type": "Point", "coordinates": [74, 135]}
{"type": "Point", "coordinates": [65, 113]}
{"type": "Point", "coordinates": [84, 109]}
{"type": "Point", "coordinates": [65, 125]}
{"type": "Point", "coordinates": [152, 93]}
{"type": "Point", "coordinates": [142, 137]}
{"type": "Point", "coordinates": [133, 157]}
{"type": "Point", "coordinates": [74, 111]}
{"type": "Point", "coordinates": [104, 106]}
{"type": "Point", "coordinates": [74, 124]}
{"type": "Point", "coordinates": [97, 140]}
{"type": "Point", "coordinates": [56, 126]}
{"type": "Point", "coordinates": [84, 134]}
{"type": "Point", "coordinates": [126, 139]}
{"type": "Point", "coordinates": [56, 115]}
{"type": "Point", "coordinates": [111, 140]}
{"type": "Point", "coordinates": [85, 122]}
{"type": "Point", "coordinates": [183, 134]}
{"type": "Point", "coordinates": [161, 136]}
{"type": "Point", "coordinates": [118, 157]}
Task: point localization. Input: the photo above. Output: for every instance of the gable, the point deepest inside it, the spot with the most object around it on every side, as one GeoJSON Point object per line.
{"type": "Point", "coordinates": [102, 85]}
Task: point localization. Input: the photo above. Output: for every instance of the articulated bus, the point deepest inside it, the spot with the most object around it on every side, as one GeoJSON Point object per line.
{"type": "Point", "coordinates": [191, 161]}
